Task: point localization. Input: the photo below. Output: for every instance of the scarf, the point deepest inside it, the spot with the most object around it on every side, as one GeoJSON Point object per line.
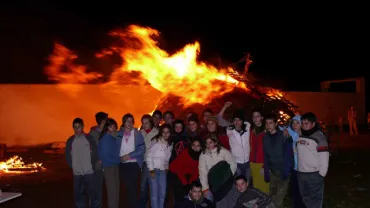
{"type": "Point", "coordinates": [193, 154]}
{"type": "Point", "coordinates": [258, 129]}
{"type": "Point", "coordinates": [308, 133]}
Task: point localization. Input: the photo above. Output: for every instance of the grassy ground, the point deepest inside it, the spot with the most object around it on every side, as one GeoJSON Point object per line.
{"type": "Point", "coordinates": [346, 185]}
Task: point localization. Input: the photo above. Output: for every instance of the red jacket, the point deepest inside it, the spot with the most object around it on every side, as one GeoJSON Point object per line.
{"type": "Point", "coordinates": [184, 166]}
{"type": "Point", "coordinates": [224, 140]}
{"type": "Point", "coordinates": [256, 144]}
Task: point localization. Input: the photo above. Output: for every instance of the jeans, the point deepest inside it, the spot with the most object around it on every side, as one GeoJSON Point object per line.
{"type": "Point", "coordinates": [244, 169]}
{"type": "Point", "coordinates": [158, 187]}
{"type": "Point", "coordinates": [84, 184]}
{"type": "Point", "coordinates": [144, 186]}
{"type": "Point", "coordinates": [129, 176]}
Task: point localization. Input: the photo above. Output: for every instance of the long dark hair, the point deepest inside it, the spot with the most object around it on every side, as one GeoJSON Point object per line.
{"type": "Point", "coordinates": [160, 132]}
{"type": "Point", "coordinates": [214, 137]}
{"type": "Point", "coordinates": [109, 122]}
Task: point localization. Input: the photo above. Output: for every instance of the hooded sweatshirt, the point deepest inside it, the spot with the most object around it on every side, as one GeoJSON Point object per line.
{"type": "Point", "coordinates": [295, 136]}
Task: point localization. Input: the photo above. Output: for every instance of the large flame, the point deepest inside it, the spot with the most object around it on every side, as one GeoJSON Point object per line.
{"type": "Point", "coordinates": [180, 74]}
{"type": "Point", "coordinates": [15, 164]}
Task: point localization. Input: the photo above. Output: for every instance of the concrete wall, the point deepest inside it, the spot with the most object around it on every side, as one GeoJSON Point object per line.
{"type": "Point", "coordinates": [320, 102]}
{"type": "Point", "coordinates": [35, 114]}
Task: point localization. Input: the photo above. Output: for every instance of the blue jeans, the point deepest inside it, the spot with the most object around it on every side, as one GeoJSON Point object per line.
{"type": "Point", "coordinates": [158, 185]}
{"type": "Point", "coordinates": [84, 184]}
{"type": "Point", "coordinates": [244, 169]}
{"type": "Point", "coordinates": [144, 186]}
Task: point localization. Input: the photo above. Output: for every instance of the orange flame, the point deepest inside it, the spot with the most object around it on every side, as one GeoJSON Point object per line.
{"type": "Point", "coordinates": [63, 70]}
{"type": "Point", "coordinates": [16, 165]}
{"type": "Point", "coordinates": [180, 74]}
{"type": "Point", "coordinates": [274, 93]}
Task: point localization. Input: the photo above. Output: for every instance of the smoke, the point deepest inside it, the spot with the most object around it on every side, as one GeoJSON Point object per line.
{"type": "Point", "coordinates": [39, 114]}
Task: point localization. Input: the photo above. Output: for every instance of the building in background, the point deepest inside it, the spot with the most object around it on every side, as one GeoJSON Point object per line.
{"type": "Point", "coordinates": [335, 98]}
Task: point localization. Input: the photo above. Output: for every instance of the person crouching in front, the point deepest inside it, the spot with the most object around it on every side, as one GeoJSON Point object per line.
{"type": "Point", "coordinates": [195, 198]}
{"type": "Point", "coordinates": [250, 197]}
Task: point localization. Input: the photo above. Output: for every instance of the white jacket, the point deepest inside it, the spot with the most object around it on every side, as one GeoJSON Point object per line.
{"type": "Point", "coordinates": [210, 158]}
{"type": "Point", "coordinates": [148, 138]}
{"type": "Point", "coordinates": [239, 144]}
{"type": "Point", "coordinates": [158, 155]}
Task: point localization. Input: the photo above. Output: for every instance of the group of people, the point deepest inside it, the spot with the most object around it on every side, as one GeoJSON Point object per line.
{"type": "Point", "coordinates": [208, 163]}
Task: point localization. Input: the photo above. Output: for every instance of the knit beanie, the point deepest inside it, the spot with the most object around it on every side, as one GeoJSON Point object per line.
{"type": "Point", "coordinates": [239, 113]}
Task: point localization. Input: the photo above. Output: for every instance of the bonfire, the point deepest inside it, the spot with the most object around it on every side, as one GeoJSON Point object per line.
{"type": "Point", "coordinates": [183, 80]}
{"type": "Point", "coordinates": [16, 165]}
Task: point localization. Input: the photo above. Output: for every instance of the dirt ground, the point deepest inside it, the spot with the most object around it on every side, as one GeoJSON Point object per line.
{"type": "Point", "coordinates": [346, 185]}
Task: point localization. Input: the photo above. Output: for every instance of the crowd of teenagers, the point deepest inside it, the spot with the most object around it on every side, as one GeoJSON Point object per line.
{"type": "Point", "coordinates": [207, 162]}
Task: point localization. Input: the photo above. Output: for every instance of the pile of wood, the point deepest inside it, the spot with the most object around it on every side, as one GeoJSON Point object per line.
{"type": "Point", "coordinates": [257, 97]}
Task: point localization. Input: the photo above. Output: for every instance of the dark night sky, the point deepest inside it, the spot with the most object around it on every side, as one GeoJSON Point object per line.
{"type": "Point", "coordinates": [298, 48]}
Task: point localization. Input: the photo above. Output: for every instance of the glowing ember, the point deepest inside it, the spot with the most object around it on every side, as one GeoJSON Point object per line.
{"type": "Point", "coordinates": [16, 165]}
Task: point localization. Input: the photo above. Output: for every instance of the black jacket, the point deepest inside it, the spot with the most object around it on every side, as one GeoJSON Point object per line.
{"type": "Point", "coordinates": [251, 197]}
{"type": "Point", "coordinates": [187, 203]}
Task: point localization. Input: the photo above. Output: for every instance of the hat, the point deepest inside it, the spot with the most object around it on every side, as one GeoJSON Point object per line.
{"type": "Point", "coordinates": [212, 118]}
{"type": "Point", "coordinates": [239, 113]}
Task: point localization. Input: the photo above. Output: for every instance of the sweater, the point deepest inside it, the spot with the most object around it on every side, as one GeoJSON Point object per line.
{"type": "Point", "coordinates": [252, 197]}
{"type": "Point", "coordinates": [92, 146]}
{"type": "Point", "coordinates": [185, 167]}
{"type": "Point", "coordinates": [109, 151]}
{"type": "Point", "coordinates": [180, 142]}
